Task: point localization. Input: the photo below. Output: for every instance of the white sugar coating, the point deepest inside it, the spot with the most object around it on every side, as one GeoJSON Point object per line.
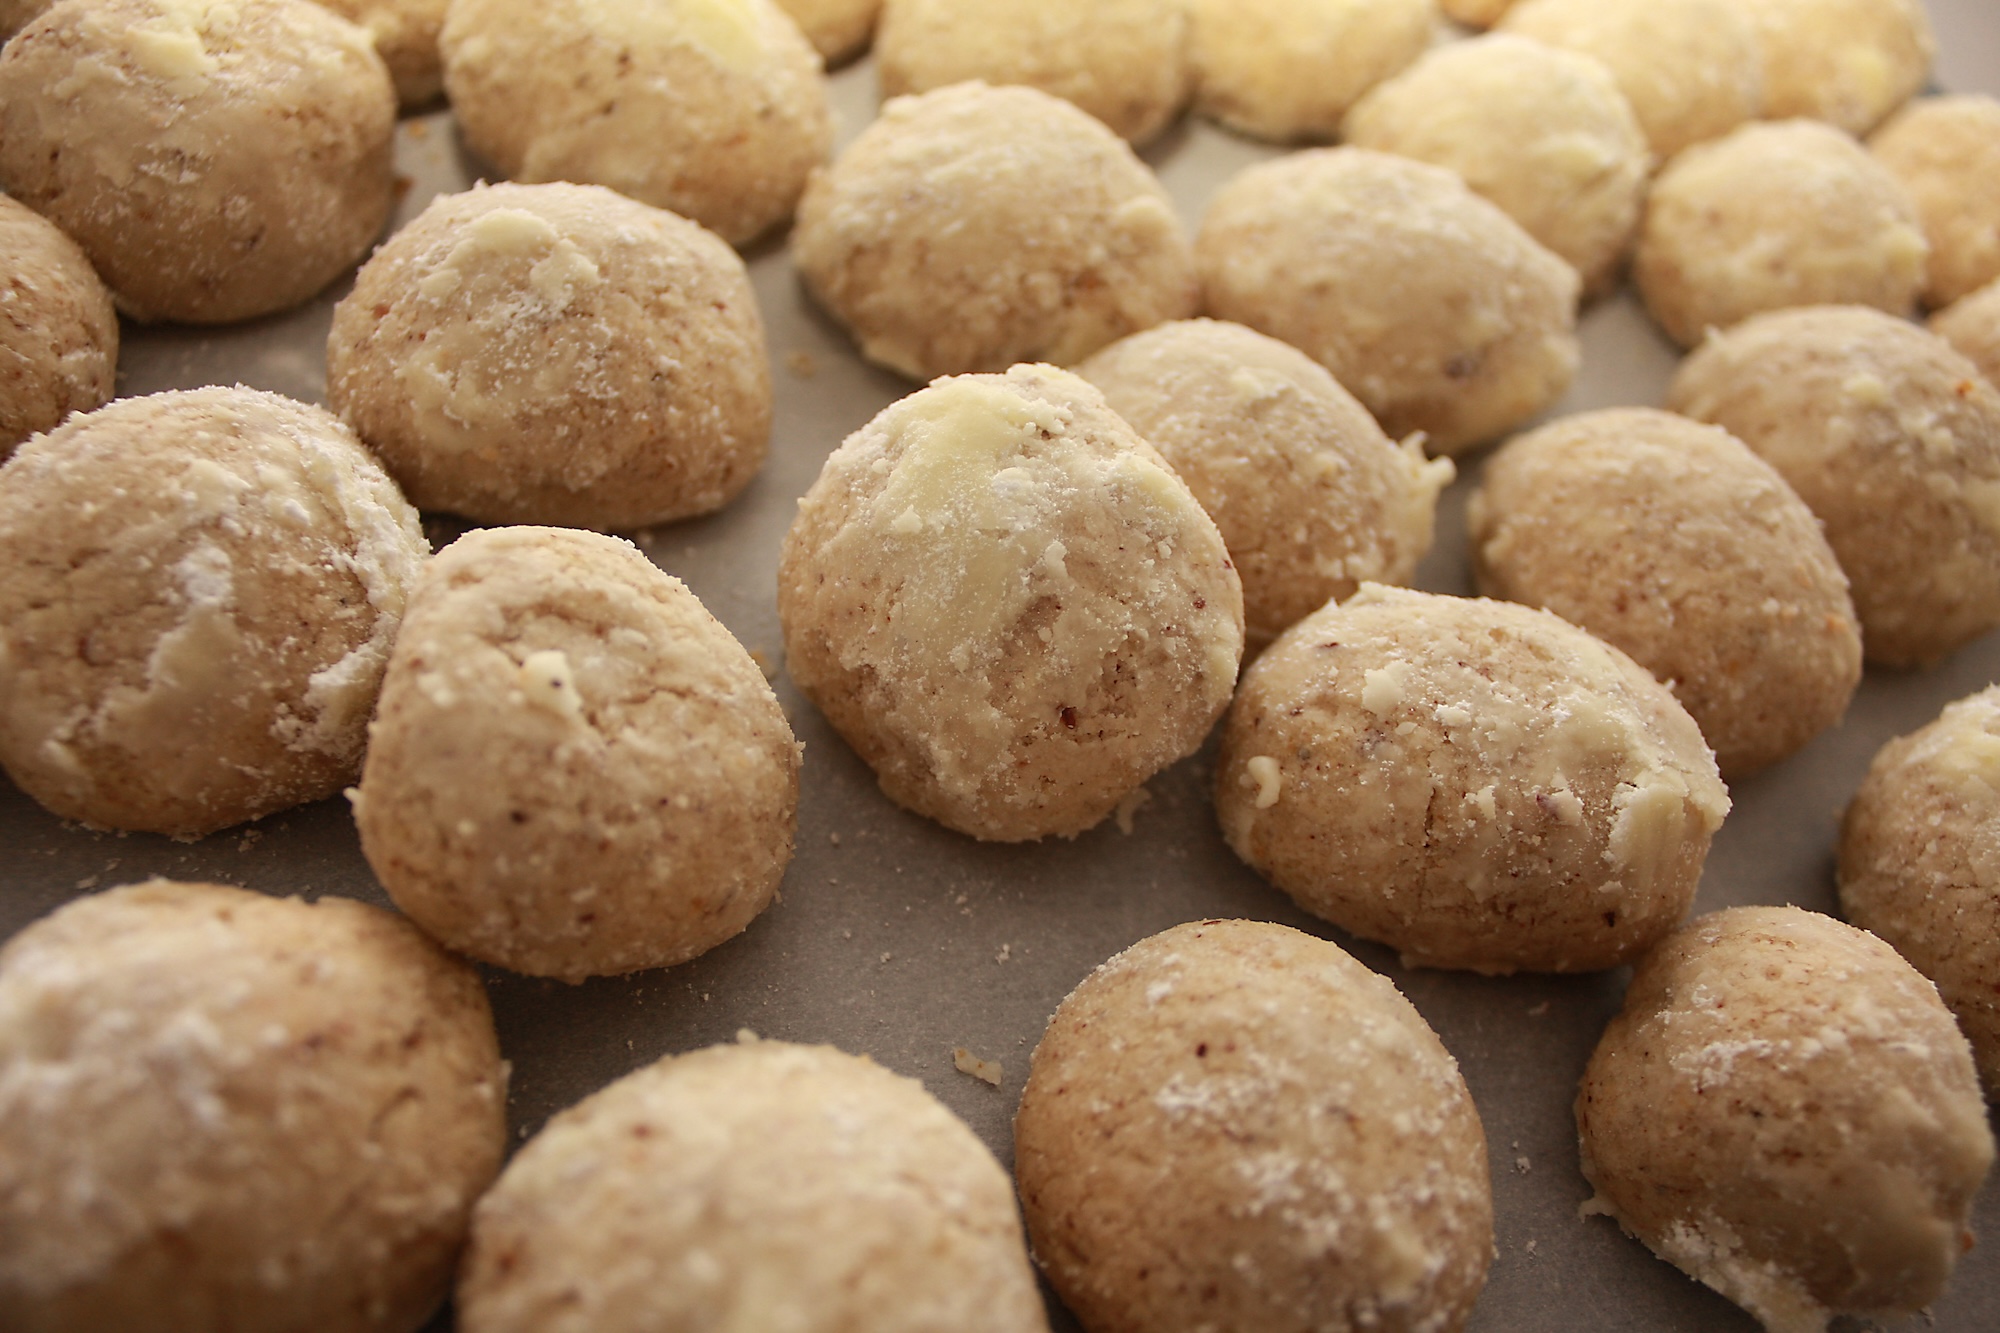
{"type": "Point", "coordinates": [1946, 153]}
{"type": "Point", "coordinates": [1474, 783]}
{"type": "Point", "coordinates": [753, 1186]}
{"type": "Point", "coordinates": [216, 159]}
{"type": "Point", "coordinates": [715, 109]}
{"type": "Point", "coordinates": [1971, 325]}
{"type": "Point", "coordinates": [972, 228]}
{"type": "Point", "coordinates": [58, 330]}
{"type": "Point", "coordinates": [1233, 1125]}
{"type": "Point", "coordinates": [405, 33]}
{"type": "Point", "coordinates": [1785, 1111]}
{"type": "Point", "coordinates": [1009, 605]}
{"type": "Point", "coordinates": [224, 1110]}
{"type": "Point", "coordinates": [838, 29]}
{"type": "Point", "coordinates": [1847, 62]}
{"type": "Point", "coordinates": [1289, 69]}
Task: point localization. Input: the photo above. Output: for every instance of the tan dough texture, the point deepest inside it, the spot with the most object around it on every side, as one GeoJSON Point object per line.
{"type": "Point", "coordinates": [1850, 62]}
{"type": "Point", "coordinates": [1476, 13]}
{"type": "Point", "coordinates": [1311, 497]}
{"type": "Point", "coordinates": [198, 592]}
{"type": "Point", "coordinates": [761, 1186]}
{"type": "Point", "coordinates": [216, 159]}
{"type": "Point", "coordinates": [838, 29]}
{"type": "Point", "coordinates": [1785, 1111]}
{"type": "Point", "coordinates": [1674, 542]}
{"type": "Point", "coordinates": [1233, 1125]}
{"type": "Point", "coordinates": [1428, 303]}
{"type": "Point", "coordinates": [1893, 440]}
{"type": "Point", "coordinates": [1971, 325]}
{"type": "Point", "coordinates": [1009, 605]}
{"type": "Point", "coordinates": [972, 228]}
{"type": "Point", "coordinates": [555, 354]}
{"type": "Point", "coordinates": [406, 37]}
{"type": "Point", "coordinates": [220, 1110]}
{"type": "Point", "coordinates": [1290, 69]}
{"type": "Point", "coordinates": [637, 788]}
{"type": "Point", "coordinates": [1946, 152]}
{"type": "Point", "coordinates": [1476, 784]}
{"type": "Point", "coordinates": [715, 109]}
{"type": "Point", "coordinates": [58, 331]}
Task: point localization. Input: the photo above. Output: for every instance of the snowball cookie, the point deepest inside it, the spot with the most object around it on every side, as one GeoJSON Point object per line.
{"type": "Point", "coordinates": [1542, 132]}
{"type": "Point", "coordinates": [1427, 302]}
{"type": "Point", "coordinates": [973, 227]}
{"type": "Point", "coordinates": [1674, 542]}
{"type": "Point", "coordinates": [406, 37]}
{"type": "Point", "coordinates": [1233, 1125]}
{"type": "Point", "coordinates": [1009, 605]}
{"type": "Point", "coordinates": [1946, 152]}
{"type": "Point", "coordinates": [198, 591]}
{"type": "Point", "coordinates": [838, 29]}
{"type": "Point", "coordinates": [555, 354]}
{"type": "Point", "coordinates": [1770, 216]}
{"type": "Point", "coordinates": [1476, 784]}
{"type": "Point", "coordinates": [1309, 494]}
{"type": "Point", "coordinates": [638, 786]}
{"type": "Point", "coordinates": [216, 159]}
{"type": "Point", "coordinates": [715, 109]}
{"type": "Point", "coordinates": [1971, 325]}
{"type": "Point", "coordinates": [761, 1186]}
{"type": "Point", "coordinates": [1289, 69]}
{"type": "Point", "coordinates": [223, 1110]}
{"type": "Point", "coordinates": [1785, 1111]}
{"type": "Point", "coordinates": [1893, 440]}
{"type": "Point", "coordinates": [58, 332]}
{"type": "Point", "coordinates": [1850, 62]}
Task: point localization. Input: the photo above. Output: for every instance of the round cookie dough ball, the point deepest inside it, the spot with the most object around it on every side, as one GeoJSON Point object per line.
{"type": "Point", "coordinates": [1771, 216]}
{"type": "Point", "coordinates": [223, 1110]}
{"type": "Point", "coordinates": [1893, 440]}
{"type": "Point", "coordinates": [555, 354]}
{"type": "Point", "coordinates": [1233, 1125]}
{"type": "Point", "coordinates": [756, 1186]}
{"type": "Point", "coordinates": [1289, 69]}
{"type": "Point", "coordinates": [1785, 1111]}
{"type": "Point", "coordinates": [1476, 784]}
{"type": "Point", "coordinates": [1850, 62]}
{"type": "Point", "coordinates": [1946, 153]}
{"type": "Point", "coordinates": [715, 110]}
{"type": "Point", "coordinates": [1673, 541]}
{"type": "Point", "coordinates": [1009, 605]}
{"type": "Point", "coordinates": [838, 29]}
{"type": "Point", "coordinates": [1971, 325]}
{"type": "Point", "coordinates": [638, 787]}
{"type": "Point", "coordinates": [216, 159]}
{"type": "Point", "coordinates": [973, 228]}
{"type": "Point", "coordinates": [198, 592]}
{"type": "Point", "coordinates": [1427, 302]}
{"type": "Point", "coordinates": [406, 37]}
{"type": "Point", "coordinates": [58, 331]}
{"type": "Point", "coordinates": [1311, 497]}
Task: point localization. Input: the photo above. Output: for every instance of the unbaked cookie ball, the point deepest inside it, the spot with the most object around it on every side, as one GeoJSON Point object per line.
{"type": "Point", "coordinates": [58, 331]}
{"type": "Point", "coordinates": [838, 29]}
{"type": "Point", "coordinates": [1893, 440]}
{"type": "Point", "coordinates": [1946, 152]}
{"type": "Point", "coordinates": [220, 1110]}
{"type": "Point", "coordinates": [1850, 62]}
{"type": "Point", "coordinates": [555, 354]}
{"type": "Point", "coordinates": [1786, 1112]}
{"type": "Point", "coordinates": [1474, 783]}
{"type": "Point", "coordinates": [216, 159]}
{"type": "Point", "coordinates": [760, 1186]}
{"type": "Point", "coordinates": [1311, 497]}
{"type": "Point", "coordinates": [637, 783]}
{"type": "Point", "coordinates": [1289, 69]}
{"type": "Point", "coordinates": [1677, 544]}
{"type": "Point", "coordinates": [1233, 1125]}
{"type": "Point", "coordinates": [1428, 303]}
{"type": "Point", "coordinates": [405, 33]}
{"type": "Point", "coordinates": [1009, 605]}
{"type": "Point", "coordinates": [715, 109]}
{"type": "Point", "coordinates": [1771, 216]}
{"type": "Point", "coordinates": [1971, 325]}
{"type": "Point", "coordinates": [973, 228]}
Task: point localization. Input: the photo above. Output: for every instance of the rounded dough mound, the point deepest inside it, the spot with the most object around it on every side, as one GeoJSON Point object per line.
{"type": "Point", "coordinates": [715, 109]}
{"type": "Point", "coordinates": [756, 1186]}
{"type": "Point", "coordinates": [1427, 302]}
{"type": "Point", "coordinates": [639, 785]}
{"type": "Point", "coordinates": [222, 1110]}
{"type": "Point", "coordinates": [1893, 440]}
{"type": "Point", "coordinates": [1477, 784]}
{"type": "Point", "coordinates": [198, 592]}
{"type": "Point", "coordinates": [1971, 325]}
{"type": "Point", "coordinates": [1773, 216]}
{"type": "Point", "coordinates": [405, 33]}
{"type": "Point", "coordinates": [972, 228]}
{"type": "Point", "coordinates": [1289, 69]}
{"type": "Point", "coordinates": [1674, 542]}
{"type": "Point", "coordinates": [1312, 499]}
{"type": "Point", "coordinates": [1849, 62]}
{"type": "Point", "coordinates": [1476, 13]}
{"type": "Point", "coordinates": [1785, 1111]}
{"type": "Point", "coordinates": [555, 354]}
{"type": "Point", "coordinates": [1009, 605]}
{"type": "Point", "coordinates": [1946, 152]}
{"type": "Point", "coordinates": [58, 331]}
{"type": "Point", "coordinates": [838, 29]}
{"type": "Point", "coordinates": [1181, 1168]}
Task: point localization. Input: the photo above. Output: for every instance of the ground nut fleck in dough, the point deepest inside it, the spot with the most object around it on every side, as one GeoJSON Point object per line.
{"type": "Point", "coordinates": [1476, 784]}
{"type": "Point", "coordinates": [838, 29]}
{"type": "Point", "coordinates": [1893, 440]}
{"type": "Point", "coordinates": [1009, 605]}
{"type": "Point", "coordinates": [761, 1186]}
{"type": "Point", "coordinates": [405, 33]}
{"type": "Point", "coordinates": [1850, 62]}
{"type": "Point", "coordinates": [1785, 1111]}
{"type": "Point", "coordinates": [1289, 69]}
{"type": "Point", "coordinates": [1946, 152]}
{"type": "Point", "coordinates": [222, 1110]}
{"type": "Point", "coordinates": [1233, 1125]}
{"type": "Point", "coordinates": [58, 331]}
{"type": "Point", "coordinates": [1971, 325]}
